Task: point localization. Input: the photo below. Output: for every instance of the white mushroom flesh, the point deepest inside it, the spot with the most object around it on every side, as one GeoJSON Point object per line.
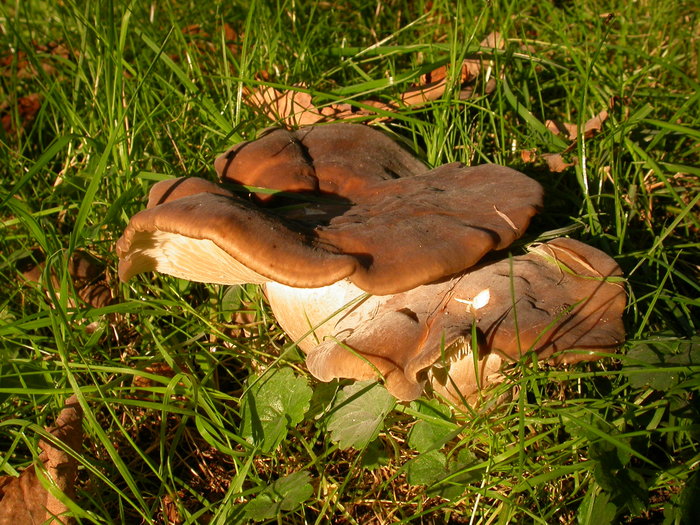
{"type": "Point", "coordinates": [193, 259]}
{"type": "Point", "coordinates": [309, 315]}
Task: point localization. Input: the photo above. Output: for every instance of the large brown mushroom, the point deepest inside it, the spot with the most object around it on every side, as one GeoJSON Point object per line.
{"type": "Point", "coordinates": [366, 254]}
{"type": "Point", "coordinates": [364, 213]}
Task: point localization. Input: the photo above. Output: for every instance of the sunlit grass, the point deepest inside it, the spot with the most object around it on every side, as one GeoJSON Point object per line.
{"type": "Point", "coordinates": [149, 91]}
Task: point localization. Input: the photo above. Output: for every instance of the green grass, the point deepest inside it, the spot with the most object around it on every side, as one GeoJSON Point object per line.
{"type": "Point", "coordinates": [154, 90]}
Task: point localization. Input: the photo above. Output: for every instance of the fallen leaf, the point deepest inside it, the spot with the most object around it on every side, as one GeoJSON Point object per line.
{"type": "Point", "coordinates": [18, 65]}
{"type": "Point", "coordinates": [562, 128]}
{"type": "Point", "coordinates": [84, 266]}
{"type": "Point", "coordinates": [31, 267]}
{"type": "Point", "coordinates": [194, 29]}
{"type": "Point", "coordinates": [204, 41]}
{"type": "Point", "coordinates": [27, 108]}
{"type": "Point", "coordinates": [97, 295]}
{"type": "Point", "coordinates": [556, 162]}
{"type": "Point", "coordinates": [243, 320]}
{"type": "Point", "coordinates": [295, 107]}
{"type": "Point", "coordinates": [170, 511]}
{"type": "Point", "coordinates": [87, 272]}
{"type": "Point", "coordinates": [594, 125]}
{"type": "Point", "coordinates": [159, 369]}
{"type": "Point", "coordinates": [24, 499]}
{"type": "Point", "coordinates": [570, 131]}
{"type": "Point", "coordinates": [528, 155]}
{"type": "Point", "coordinates": [434, 84]}
{"type": "Point", "coordinates": [232, 39]}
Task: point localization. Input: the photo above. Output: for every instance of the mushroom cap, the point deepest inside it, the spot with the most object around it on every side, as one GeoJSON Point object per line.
{"type": "Point", "coordinates": [335, 158]}
{"type": "Point", "coordinates": [563, 301]}
{"type": "Point", "coordinates": [367, 222]}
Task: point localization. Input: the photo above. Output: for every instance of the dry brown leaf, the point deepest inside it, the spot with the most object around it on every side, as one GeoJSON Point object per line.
{"type": "Point", "coordinates": [97, 295]}
{"type": "Point", "coordinates": [594, 125]}
{"type": "Point", "coordinates": [296, 108]}
{"type": "Point", "coordinates": [434, 84]}
{"type": "Point", "coordinates": [30, 272]}
{"type": "Point", "coordinates": [556, 162]}
{"type": "Point", "coordinates": [205, 42]}
{"type": "Point", "coordinates": [243, 319]}
{"type": "Point", "coordinates": [528, 155]}
{"type": "Point", "coordinates": [84, 266]}
{"type": "Point", "coordinates": [18, 65]}
{"type": "Point", "coordinates": [232, 39]}
{"type": "Point", "coordinates": [159, 369]}
{"type": "Point", "coordinates": [570, 131]}
{"type": "Point", "coordinates": [87, 272]}
{"type": "Point", "coordinates": [230, 34]}
{"type": "Point", "coordinates": [24, 499]}
{"type": "Point", "coordinates": [27, 108]}
{"type": "Point", "coordinates": [343, 111]}
{"type": "Point", "coordinates": [194, 29]}
{"type": "Point", "coordinates": [169, 508]}
{"type": "Point", "coordinates": [562, 128]}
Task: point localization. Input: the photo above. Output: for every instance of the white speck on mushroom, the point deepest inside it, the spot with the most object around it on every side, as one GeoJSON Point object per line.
{"type": "Point", "coordinates": [480, 300]}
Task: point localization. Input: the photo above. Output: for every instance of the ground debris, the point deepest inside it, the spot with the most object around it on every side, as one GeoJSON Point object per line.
{"type": "Point", "coordinates": [556, 162]}
{"type": "Point", "coordinates": [295, 107]}
{"type": "Point", "coordinates": [86, 271]}
{"type": "Point", "coordinates": [24, 499]}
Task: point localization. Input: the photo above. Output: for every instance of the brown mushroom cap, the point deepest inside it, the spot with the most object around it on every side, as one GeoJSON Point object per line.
{"type": "Point", "coordinates": [336, 159]}
{"type": "Point", "coordinates": [385, 234]}
{"type": "Point", "coordinates": [563, 296]}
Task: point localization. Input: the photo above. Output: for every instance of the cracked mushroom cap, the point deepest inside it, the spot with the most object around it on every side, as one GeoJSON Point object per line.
{"type": "Point", "coordinates": [564, 301]}
{"type": "Point", "coordinates": [367, 216]}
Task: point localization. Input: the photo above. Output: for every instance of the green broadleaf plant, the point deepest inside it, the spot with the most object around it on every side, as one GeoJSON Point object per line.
{"type": "Point", "coordinates": [285, 494]}
{"type": "Point", "coordinates": [358, 414]}
{"type": "Point", "coordinates": [272, 404]}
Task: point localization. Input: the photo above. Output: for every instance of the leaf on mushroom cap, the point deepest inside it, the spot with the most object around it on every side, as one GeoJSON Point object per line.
{"type": "Point", "coordinates": [387, 234]}
{"type": "Point", "coordinates": [565, 295]}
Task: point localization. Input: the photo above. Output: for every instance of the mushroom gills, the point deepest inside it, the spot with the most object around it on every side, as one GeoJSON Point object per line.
{"type": "Point", "coordinates": [460, 377]}
{"type": "Point", "coordinates": [309, 316]}
{"type": "Point", "coordinates": [199, 260]}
